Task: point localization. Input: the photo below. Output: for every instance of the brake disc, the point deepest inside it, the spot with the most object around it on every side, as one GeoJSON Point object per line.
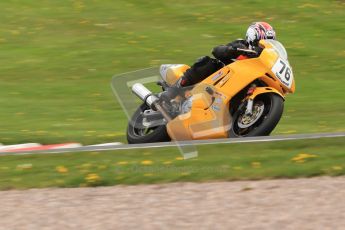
{"type": "Point", "coordinates": [247, 120]}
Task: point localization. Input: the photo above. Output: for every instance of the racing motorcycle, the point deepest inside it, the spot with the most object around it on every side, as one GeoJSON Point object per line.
{"type": "Point", "coordinates": [242, 99]}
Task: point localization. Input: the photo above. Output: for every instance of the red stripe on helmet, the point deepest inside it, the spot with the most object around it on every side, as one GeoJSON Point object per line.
{"type": "Point", "coordinates": [266, 25]}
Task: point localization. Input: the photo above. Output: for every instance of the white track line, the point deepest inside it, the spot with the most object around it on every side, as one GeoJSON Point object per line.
{"type": "Point", "coordinates": [116, 146]}
{"type": "Point", "coordinates": [68, 146]}
{"type": "Point", "coordinates": [107, 144]}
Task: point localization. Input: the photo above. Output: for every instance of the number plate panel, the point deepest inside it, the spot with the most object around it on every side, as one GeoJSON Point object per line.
{"type": "Point", "coordinates": [283, 72]}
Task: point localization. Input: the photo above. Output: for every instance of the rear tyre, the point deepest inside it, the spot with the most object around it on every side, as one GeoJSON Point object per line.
{"type": "Point", "coordinates": [267, 111]}
{"type": "Point", "coordinates": [137, 133]}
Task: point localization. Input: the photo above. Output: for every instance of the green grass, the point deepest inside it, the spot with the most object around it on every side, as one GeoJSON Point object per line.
{"type": "Point", "coordinates": [214, 163]}
{"type": "Point", "coordinates": [58, 57]}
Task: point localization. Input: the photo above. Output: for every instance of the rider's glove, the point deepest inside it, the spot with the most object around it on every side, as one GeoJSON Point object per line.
{"type": "Point", "coordinates": [221, 52]}
{"type": "Point", "coordinates": [233, 51]}
{"type": "Point", "coordinates": [226, 53]}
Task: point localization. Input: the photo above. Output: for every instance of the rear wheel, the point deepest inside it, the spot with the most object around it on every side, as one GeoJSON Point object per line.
{"type": "Point", "coordinates": [267, 111]}
{"type": "Point", "coordinates": [137, 132]}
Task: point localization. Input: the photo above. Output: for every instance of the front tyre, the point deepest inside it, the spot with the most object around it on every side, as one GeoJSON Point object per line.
{"type": "Point", "coordinates": [267, 111]}
{"type": "Point", "coordinates": [137, 133]}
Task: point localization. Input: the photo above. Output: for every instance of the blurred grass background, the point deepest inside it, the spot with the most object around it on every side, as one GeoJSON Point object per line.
{"type": "Point", "coordinates": [223, 162]}
{"type": "Point", "coordinates": [58, 57]}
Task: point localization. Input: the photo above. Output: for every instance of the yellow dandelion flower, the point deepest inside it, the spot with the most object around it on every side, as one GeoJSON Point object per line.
{"type": "Point", "coordinates": [111, 135]}
{"type": "Point", "coordinates": [179, 158]}
{"type": "Point", "coordinates": [24, 166]}
{"type": "Point", "coordinates": [61, 169]}
{"type": "Point", "coordinates": [92, 178]}
{"type": "Point", "coordinates": [296, 158]}
{"type": "Point", "coordinates": [301, 158]}
{"type": "Point", "coordinates": [122, 163]}
{"type": "Point", "coordinates": [337, 168]}
{"type": "Point", "coordinates": [146, 162]}
{"type": "Point", "coordinates": [308, 5]}
{"type": "Point", "coordinates": [148, 174]}
{"type": "Point", "coordinates": [256, 164]}
{"type": "Point", "coordinates": [288, 132]}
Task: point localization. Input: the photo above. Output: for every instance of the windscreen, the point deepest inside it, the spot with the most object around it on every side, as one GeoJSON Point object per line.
{"type": "Point", "coordinates": [279, 48]}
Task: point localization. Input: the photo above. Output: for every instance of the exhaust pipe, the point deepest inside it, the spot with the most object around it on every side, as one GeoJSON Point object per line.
{"type": "Point", "coordinates": [144, 94]}
{"type": "Point", "coordinates": [150, 99]}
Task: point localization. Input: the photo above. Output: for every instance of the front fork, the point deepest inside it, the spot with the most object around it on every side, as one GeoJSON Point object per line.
{"type": "Point", "coordinates": [249, 107]}
{"type": "Point", "coordinates": [253, 92]}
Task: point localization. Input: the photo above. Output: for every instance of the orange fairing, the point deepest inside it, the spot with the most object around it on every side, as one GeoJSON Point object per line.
{"type": "Point", "coordinates": [209, 116]}
{"type": "Point", "coordinates": [207, 119]}
{"type": "Point", "coordinates": [172, 72]}
{"type": "Point", "coordinates": [261, 90]}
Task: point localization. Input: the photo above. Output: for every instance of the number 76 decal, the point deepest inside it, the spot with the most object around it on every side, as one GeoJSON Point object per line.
{"type": "Point", "coordinates": [283, 72]}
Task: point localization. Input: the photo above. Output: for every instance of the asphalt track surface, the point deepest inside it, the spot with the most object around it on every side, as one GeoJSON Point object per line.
{"type": "Point", "coordinates": [181, 143]}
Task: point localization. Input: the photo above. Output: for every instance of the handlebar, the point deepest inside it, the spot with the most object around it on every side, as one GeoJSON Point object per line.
{"type": "Point", "coordinates": [247, 51]}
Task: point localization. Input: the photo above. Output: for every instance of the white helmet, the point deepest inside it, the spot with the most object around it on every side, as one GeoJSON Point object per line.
{"type": "Point", "coordinates": [257, 31]}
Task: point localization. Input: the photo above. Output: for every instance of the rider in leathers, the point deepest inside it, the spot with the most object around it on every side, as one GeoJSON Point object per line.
{"type": "Point", "coordinates": [226, 54]}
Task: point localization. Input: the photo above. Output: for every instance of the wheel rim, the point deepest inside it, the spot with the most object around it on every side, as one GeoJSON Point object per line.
{"type": "Point", "coordinates": [245, 124]}
{"type": "Point", "coordinates": [138, 127]}
{"type": "Point", "coordinates": [247, 120]}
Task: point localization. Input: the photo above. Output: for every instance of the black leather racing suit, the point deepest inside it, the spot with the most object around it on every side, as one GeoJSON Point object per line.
{"type": "Point", "coordinates": [205, 66]}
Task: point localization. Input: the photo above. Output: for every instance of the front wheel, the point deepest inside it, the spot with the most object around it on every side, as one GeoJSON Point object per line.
{"type": "Point", "coordinates": [267, 111]}
{"type": "Point", "coordinates": [138, 133]}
